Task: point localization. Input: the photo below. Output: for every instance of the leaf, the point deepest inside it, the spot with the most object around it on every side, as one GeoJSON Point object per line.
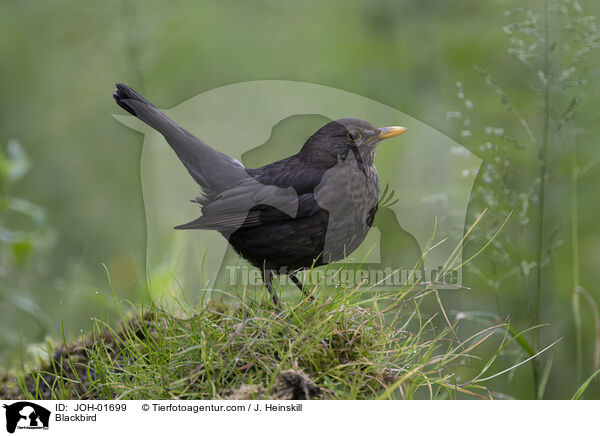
{"type": "Point", "coordinates": [21, 251]}
{"type": "Point", "coordinates": [18, 161]}
{"type": "Point", "coordinates": [25, 207]}
{"type": "Point", "coordinates": [584, 386]}
{"type": "Point", "coordinates": [29, 306]}
{"type": "Point", "coordinates": [544, 378]}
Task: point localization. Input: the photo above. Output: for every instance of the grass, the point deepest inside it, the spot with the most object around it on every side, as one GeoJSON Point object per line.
{"type": "Point", "coordinates": [354, 344]}
{"type": "Point", "coordinates": [555, 41]}
{"type": "Point", "coordinates": [543, 161]}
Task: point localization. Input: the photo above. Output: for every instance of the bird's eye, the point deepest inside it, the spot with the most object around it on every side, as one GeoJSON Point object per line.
{"type": "Point", "coordinates": [353, 136]}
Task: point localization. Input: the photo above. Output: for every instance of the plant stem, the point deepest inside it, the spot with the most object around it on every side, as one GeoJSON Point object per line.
{"type": "Point", "coordinates": [575, 258]}
{"type": "Point", "coordinates": [543, 153]}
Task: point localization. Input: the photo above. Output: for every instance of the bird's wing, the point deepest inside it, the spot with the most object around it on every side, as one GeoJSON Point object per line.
{"type": "Point", "coordinates": [251, 204]}
{"type": "Point", "coordinates": [278, 192]}
{"type": "Point", "coordinates": [256, 216]}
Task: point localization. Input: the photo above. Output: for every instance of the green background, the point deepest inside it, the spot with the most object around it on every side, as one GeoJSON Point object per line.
{"type": "Point", "coordinates": [58, 67]}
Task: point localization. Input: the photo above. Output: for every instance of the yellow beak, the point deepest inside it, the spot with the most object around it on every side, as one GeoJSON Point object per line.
{"type": "Point", "coordinates": [390, 132]}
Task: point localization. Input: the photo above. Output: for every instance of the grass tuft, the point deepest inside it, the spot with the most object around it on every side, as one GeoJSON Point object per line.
{"type": "Point", "coordinates": [347, 345]}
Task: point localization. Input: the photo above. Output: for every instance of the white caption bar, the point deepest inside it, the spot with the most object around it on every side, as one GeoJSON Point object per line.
{"type": "Point", "coordinates": [297, 417]}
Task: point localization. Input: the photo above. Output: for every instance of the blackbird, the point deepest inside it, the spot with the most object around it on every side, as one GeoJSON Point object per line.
{"type": "Point", "coordinates": [309, 209]}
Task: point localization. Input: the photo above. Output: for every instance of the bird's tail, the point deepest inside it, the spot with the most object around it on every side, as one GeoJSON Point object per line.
{"type": "Point", "coordinates": [141, 108]}
{"type": "Point", "coordinates": [124, 93]}
{"type": "Point", "coordinates": [212, 170]}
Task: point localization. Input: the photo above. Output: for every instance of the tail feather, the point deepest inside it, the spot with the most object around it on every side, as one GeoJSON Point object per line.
{"type": "Point", "coordinates": [138, 106]}
{"type": "Point", "coordinates": [124, 93]}
{"type": "Point", "coordinates": [212, 170]}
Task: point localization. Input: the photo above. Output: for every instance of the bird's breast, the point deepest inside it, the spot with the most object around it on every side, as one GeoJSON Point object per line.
{"type": "Point", "coordinates": [350, 197]}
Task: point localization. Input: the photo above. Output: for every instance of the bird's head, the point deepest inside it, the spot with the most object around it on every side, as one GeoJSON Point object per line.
{"type": "Point", "coordinates": [338, 138]}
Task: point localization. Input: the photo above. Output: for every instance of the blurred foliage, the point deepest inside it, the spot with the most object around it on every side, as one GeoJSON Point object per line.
{"type": "Point", "coordinates": [84, 205]}
{"type": "Point", "coordinates": [534, 168]}
{"type": "Point", "coordinates": [25, 240]}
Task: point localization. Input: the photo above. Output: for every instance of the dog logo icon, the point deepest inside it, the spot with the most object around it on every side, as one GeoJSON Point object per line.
{"type": "Point", "coordinates": [26, 415]}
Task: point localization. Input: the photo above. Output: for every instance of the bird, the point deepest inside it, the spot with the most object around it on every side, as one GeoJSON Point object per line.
{"type": "Point", "coordinates": [307, 210]}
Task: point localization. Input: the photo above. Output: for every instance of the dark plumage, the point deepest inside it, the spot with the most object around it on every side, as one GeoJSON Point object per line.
{"type": "Point", "coordinates": [311, 208]}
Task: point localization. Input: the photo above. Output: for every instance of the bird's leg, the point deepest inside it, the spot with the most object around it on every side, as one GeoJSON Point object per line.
{"type": "Point", "coordinates": [267, 276]}
{"type": "Point", "coordinates": [298, 283]}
